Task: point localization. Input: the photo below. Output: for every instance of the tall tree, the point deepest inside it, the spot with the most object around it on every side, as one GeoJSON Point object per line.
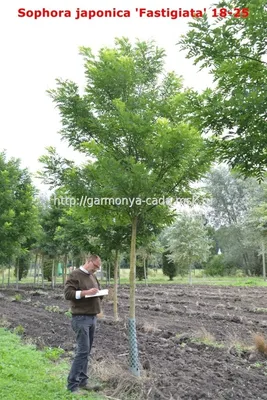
{"type": "Point", "coordinates": [234, 52]}
{"type": "Point", "coordinates": [18, 211]}
{"type": "Point", "coordinates": [130, 121]}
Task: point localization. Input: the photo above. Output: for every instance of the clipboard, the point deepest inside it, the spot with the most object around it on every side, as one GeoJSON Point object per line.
{"type": "Point", "coordinates": [103, 292]}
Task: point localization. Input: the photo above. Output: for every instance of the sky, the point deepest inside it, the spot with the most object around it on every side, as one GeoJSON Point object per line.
{"type": "Point", "coordinates": [34, 52]}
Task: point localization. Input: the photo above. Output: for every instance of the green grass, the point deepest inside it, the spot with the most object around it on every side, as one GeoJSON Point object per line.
{"type": "Point", "coordinates": [27, 374]}
{"type": "Point", "coordinates": [198, 279]}
{"type": "Point", "coordinates": [159, 278]}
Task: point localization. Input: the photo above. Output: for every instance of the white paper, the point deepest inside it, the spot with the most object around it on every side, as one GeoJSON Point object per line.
{"type": "Point", "coordinates": [103, 292]}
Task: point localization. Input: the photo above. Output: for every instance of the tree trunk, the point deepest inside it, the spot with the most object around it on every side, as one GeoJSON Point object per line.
{"type": "Point", "coordinates": [38, 270]}
{"type": "Point", "coordinates": [134, 361]}
{"type": "Point", "coordinates": [42, 270]}
{"type": "Point", "coordinates": [17, 277]}
{"type": "Point", "coordinates": [106, 263]}
{"type": "Point", "coordinates": [102, 273]}
{"type": "Point", "coordinates": [115, 295]}
{"type": "Point", "coordinates": [35, 269]}
{"type": "Point", "coordinates": [144, 260]}
{"type": "Point", "coordinates": [64, 270]}
{"type": "Point", "coordinates": [190, 275]}
{"type": "Point", "coordinates": [53, 275]}
{"type": "Point", "coordinates": [3, 277]}
{"type": "Point", "coordinates": [263, 261]}
{"type": "Point", "coordinates": [8, 276]}
{"type": "Point", "coordinates": [132, 276]}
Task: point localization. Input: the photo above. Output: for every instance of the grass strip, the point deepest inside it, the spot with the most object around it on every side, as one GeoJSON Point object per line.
{"type": "Point", "coordinates": [26, 373]}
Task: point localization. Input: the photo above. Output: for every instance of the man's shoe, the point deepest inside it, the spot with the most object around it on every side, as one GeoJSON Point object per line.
{"type": "Point", "coordinates": [92, 387]}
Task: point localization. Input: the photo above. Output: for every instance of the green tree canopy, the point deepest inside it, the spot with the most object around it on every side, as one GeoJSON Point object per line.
{"type": "Point", "coordinates": [187, 241]}
{"type": "Point", "coordinates": [234, 51]}
{"type": "Point", "coordinates": [18, 211]}
{"type": "Point", "coordinates": [231, 200]}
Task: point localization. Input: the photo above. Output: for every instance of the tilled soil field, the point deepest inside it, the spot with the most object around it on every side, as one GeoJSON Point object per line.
{"type": "Point", "coordinates": [194, 342]}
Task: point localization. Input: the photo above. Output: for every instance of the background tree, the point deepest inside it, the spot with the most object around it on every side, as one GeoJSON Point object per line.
{"type": "Point", "coordinates": [169, 268]}
{"type": "Point", "coordinates": [23, 261]}
{"type": "Point", "coordinates": [148, 252]}
{"type": "Point", "coordinates": [188, 242]}
{"type": "Point", "coordinates": [18, 211]}
{"type": "Point", "coordinates": [216, 265]}
{"type": "Point", "coordinates": [234, 52]}
{"type": "Point", "coordinates": [231, 198]}
{"type": "Point", "coordinates": [48, 246]}
{"type": "Point", "coordinates": [66, 234]}
{"type": "Point", "coordinates": [257, 219]}
{"type": "Point", "coordinates": [154, 253]}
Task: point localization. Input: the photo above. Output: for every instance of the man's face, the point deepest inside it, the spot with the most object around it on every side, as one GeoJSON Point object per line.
{"type": "Point", "coordinates": [93, 266]}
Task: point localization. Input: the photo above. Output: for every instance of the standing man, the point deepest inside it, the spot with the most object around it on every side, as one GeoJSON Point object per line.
{"type": "Point", "coordinates": [80, 283]}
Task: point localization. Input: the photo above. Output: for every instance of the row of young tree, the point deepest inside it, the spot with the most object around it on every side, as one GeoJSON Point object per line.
{"type": "Point", "coordinates": [232, 220]}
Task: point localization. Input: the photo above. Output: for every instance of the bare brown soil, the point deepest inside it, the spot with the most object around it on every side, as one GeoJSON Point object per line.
{"type": "Point", "coordinates": [179, 329]}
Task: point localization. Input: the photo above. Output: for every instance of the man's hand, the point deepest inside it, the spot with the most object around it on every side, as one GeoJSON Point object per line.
{"type": "Point", "coordinates": [89, 292]}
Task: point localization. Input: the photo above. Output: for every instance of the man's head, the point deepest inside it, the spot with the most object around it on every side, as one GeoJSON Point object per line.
{"type": "Point", "coordinates": [92, 263]}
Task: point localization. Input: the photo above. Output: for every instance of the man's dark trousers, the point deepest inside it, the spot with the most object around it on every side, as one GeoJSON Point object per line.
{"type": "Point", "coordinates": [84, 327]}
